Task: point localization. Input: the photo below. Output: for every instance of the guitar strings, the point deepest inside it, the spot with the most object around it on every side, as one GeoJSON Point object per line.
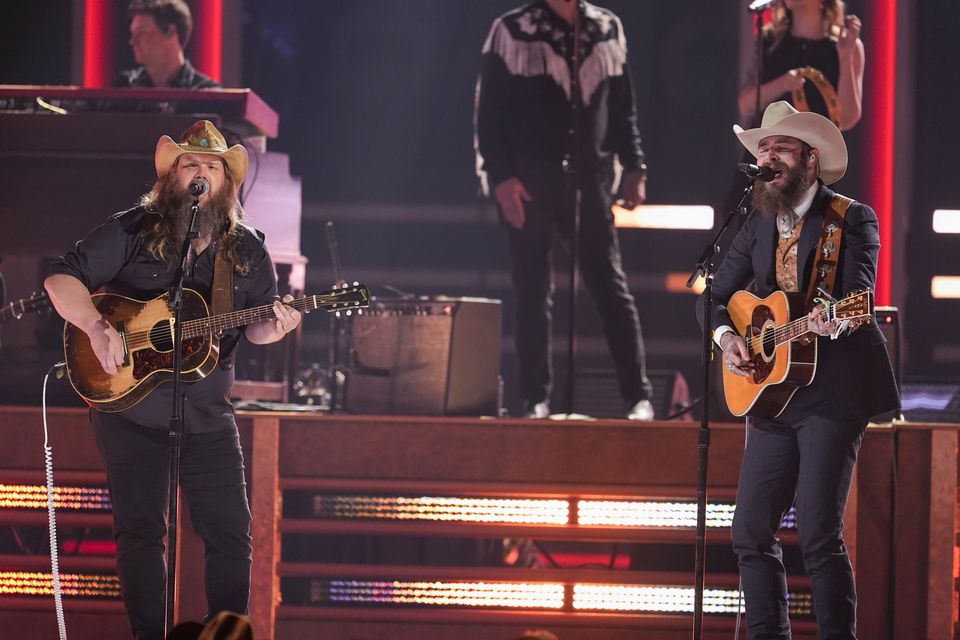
{"type": "Point", "coordinates": [200, 326]}
{"type": "Point", "coordinates": [783, 333]}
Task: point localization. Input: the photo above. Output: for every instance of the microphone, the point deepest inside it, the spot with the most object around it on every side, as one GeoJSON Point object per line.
{"type": "Point", "coordinates": [199, 187]}
{"type": "Point", "coordinates": [759, 6]}
{"type": "Point", "coordinates": [764, 174]}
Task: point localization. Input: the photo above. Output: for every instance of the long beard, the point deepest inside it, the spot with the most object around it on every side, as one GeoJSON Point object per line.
{"type": "Point", "coordinates": [212, 219]}
{"type": "Point", "coordinates": [770, 200]}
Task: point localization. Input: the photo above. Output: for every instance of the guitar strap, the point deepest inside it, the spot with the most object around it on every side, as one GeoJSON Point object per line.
{"type": "Point", "coordinates": [221, 294]}
{"type": "Point", "coordinates": [828, 249]}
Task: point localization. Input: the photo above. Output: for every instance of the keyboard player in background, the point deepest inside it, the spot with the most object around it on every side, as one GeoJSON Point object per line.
{"type": "Point", "coordinates": [159, 31]}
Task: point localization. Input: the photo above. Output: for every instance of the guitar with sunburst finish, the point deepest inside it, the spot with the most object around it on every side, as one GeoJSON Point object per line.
{"type": "Point", "coordinates": [783, 350]}
{"type": "Point", "coordinates": [146, 330]}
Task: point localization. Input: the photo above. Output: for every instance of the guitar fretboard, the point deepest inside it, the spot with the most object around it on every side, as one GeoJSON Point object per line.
{"type": "Point", "coordinates": [853, 307]}
{"type": "Point", "coordinates": [223, 322]}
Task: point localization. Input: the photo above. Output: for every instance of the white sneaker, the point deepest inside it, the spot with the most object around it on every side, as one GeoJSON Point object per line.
{"type": "Point", "coordinates": [537, 411]}
{"type": "Point", "coordinates": [642, 411]}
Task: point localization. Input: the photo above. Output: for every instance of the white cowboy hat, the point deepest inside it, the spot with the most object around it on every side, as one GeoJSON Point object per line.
{"type": "Point", "coordinates": [202, 137]}
{"type": "Point", "coordinates": [781, 119]}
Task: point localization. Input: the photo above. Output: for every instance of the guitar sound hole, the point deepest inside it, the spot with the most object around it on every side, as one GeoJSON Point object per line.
{"type": "Point", "coordinates": [161, 337]}
{"type": "Point", "coordinates": [767, 342]}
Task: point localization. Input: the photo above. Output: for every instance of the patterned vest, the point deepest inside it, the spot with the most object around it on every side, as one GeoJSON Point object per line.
{"type": "Point", "coordinates": [787, 278]}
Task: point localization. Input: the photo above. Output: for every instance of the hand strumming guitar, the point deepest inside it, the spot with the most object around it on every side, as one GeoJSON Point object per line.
{"type": "Point", "coordinates": [107, 345]}
{"type": "Point", "coordinates": [736, 356]}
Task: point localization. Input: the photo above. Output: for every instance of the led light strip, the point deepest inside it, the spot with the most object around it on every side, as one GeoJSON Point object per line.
{"type": "Point", "coordinates": [519, 595]}
{"type": "Point", "coordinates": [610, 513]}
{"type": "Point", "coordinates": [651, 514]}
{"type": "Point", "coordinates": [452, 594]}
{"type": "Point", "coordinates": [25, 496]}
{"type": "Point", "coordinates": [447, 509]}
{"type": "Point", "coordinates": [25, 583]}
{"type": "Point", "coordinates": [612, 597]}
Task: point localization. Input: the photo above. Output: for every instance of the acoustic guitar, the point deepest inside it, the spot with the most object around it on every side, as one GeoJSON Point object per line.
{"type": "Point", "coordinates": [146, 329]}
{"type": "Point", "coordinates": [782, 348]}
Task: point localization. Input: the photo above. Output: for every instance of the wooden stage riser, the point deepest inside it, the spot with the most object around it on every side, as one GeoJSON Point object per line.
{"type": "Point", "coordinates": [433, 456]}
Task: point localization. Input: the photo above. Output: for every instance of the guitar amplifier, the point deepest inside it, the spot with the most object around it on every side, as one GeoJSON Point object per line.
{"type": "Point", "coordinates": [435, 356]}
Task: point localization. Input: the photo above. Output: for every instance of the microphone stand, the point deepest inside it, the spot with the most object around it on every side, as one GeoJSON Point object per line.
{"type": "Point", "coordinates": [176, 419]}
{"type": "Point", "coordinates": [705, 268]}
{"type": "Point", "coordinates": [758, 27]}
{"type": "Point", "coordinates": [337, 325]}
{"type": "Point", "coordinates": [571, 176]}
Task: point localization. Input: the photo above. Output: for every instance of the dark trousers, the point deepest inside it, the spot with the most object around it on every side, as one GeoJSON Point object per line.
{"type": "Point", "coordinates": [807, 461]}
{"type": "Point", "coordinates": [137, 463]}
{"type": "Point", "coordinates": [531, 250]}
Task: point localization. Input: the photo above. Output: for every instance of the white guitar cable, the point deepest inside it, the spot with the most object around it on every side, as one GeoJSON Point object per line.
{"type": "Point", "coordinates": [51, 516]}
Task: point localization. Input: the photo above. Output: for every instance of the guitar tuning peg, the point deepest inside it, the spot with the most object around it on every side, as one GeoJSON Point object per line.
{"type": "Point", "coordinates": [349, 312]}
{"type": "Point", "coordinates": [337, 314]}
{"type": "Point", "coordinates": [356, 283]}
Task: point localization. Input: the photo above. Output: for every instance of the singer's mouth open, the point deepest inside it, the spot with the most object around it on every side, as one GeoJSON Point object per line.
{"type": "Point", "coordinates": [777, 171]}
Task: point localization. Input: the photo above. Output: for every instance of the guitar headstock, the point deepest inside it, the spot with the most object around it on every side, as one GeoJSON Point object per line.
{"type": "Point", "coordinates": [856, 308]}
{"type": "Point", "coordinates": [36, 302]}
{"type": "Point", "coordinates": [346, 299]}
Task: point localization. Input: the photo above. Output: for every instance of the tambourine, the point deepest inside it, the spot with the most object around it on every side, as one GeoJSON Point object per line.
{"type": "Point", "coordinates": [827, 92]}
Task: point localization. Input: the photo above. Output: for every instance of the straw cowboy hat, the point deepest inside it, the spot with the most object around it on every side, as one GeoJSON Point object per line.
{"type": "Point", "coordinates": [227, 626]}
{"type": "Point", "coordinates": [202, 137]}
{"type": "Point", "coordinates": [781, 119]}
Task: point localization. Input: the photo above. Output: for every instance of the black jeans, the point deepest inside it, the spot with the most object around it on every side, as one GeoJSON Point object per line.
{"type": "Point", "coordinates": [137, 463]}
{"type": "Point", "coordinates": [807, 461]}
{"type": "Point", "coordinates": [531, 251]}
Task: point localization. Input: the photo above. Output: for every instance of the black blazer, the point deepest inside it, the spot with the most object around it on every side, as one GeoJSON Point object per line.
{"type": "Point", "coordinates": [854, 378]}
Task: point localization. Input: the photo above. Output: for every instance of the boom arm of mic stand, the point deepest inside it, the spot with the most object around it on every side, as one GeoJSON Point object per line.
{"type": "Point", "coordinates": [712, 249]}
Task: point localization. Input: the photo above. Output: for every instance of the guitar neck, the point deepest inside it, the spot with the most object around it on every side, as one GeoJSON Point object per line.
{"type": "Point", "coordinates": [793, 330]}
{"type": "Point", "coordinates": [801, 326]}
{"type": "Point", "coordinates": [225, 321]}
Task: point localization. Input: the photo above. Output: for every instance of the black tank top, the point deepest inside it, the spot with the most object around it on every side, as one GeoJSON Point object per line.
{"type": "Point", "coordinates": [793, 52]}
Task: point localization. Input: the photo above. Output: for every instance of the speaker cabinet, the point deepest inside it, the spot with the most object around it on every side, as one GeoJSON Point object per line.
{"type": "Point", "coordinates": [432, 357]}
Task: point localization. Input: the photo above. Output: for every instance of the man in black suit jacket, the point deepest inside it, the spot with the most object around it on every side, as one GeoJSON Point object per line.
{"type": "Point", "coordinates": [805, 456]}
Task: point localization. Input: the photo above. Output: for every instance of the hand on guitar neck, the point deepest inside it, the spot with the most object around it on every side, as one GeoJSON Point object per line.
{"type": "Point", "coordinates": [817, 323]}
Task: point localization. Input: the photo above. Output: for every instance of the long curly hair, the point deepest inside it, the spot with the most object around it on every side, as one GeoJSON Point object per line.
{"type": "Point", "coordinates": [222, 219]}
{"type": "Point", "coordinates": [832, 14]}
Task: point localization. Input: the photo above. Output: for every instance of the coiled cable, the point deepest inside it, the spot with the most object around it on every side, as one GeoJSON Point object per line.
{"type": "Point", "coordinates": [51, 515]}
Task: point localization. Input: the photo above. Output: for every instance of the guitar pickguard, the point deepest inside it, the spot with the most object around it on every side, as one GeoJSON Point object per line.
{"type": "Point", "coordinates": [147, 361]}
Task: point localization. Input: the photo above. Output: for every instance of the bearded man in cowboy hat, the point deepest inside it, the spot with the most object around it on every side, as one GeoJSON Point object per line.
{"type": "Point", "coordinates": [136, 253]}
{"type": "Point", "coordinates": [805, 456]}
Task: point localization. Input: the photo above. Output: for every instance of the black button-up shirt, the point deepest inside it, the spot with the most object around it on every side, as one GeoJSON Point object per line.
{"type": "Point", "coordinates": [187, 78]}
{"type": "Point", "coordinates": [113, 258]}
